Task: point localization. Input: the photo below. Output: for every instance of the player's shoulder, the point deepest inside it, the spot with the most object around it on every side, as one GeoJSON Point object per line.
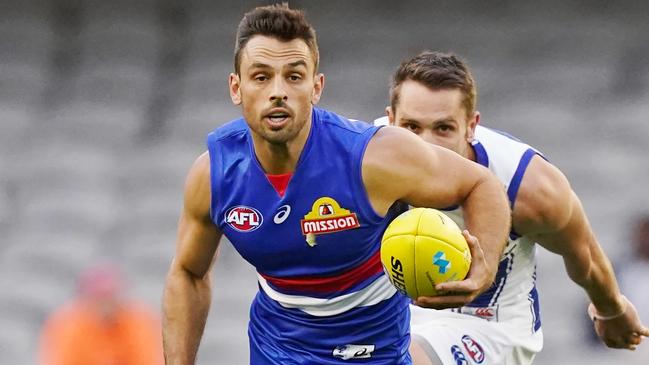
{"type": "Point", "coordinates": [197, 196]}
{"type": "Point", "coordinates": [229, 129]}
{"type": "Point", "coordinates": [543, 192]}
{"type": "Point", "coordinates": [395, 138]}
{"type": "Point", "coordinates": [539, 188]}
{"type": "Point", "coordinates": [505, 155]}
{"type": "Point", "coordinates": [341, 123]}
{"type": "Point", "coordinates": [496, 139]}
{"type": "Point", "coordinates": [395, 147]}
{"type": "Point", "coordinates": [199, 172]}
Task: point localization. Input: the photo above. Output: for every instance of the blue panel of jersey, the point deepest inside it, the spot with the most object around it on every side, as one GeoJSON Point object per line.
{"type": "Point", "coordinates": [283, 336]}
{"type": "Point", "coordinates": [329, 166]}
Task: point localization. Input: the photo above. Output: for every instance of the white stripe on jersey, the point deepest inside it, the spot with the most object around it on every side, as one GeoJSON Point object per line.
{"type": "Point", "coordinates": [379, 290]}
{"type": "Point", "coordinates": [381, 121]}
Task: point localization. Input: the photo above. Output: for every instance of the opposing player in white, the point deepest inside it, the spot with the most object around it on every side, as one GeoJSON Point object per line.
{"type": "Point", "coordinates": [433, 95]}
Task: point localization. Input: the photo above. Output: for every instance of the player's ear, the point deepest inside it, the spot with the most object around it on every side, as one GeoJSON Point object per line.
{"type": "Point", "coordinates": [318, 85]}
{"type": "Point", "coordinates": [234, 83]}
{"type": "Point", "coordinates": [390, 113]}
{"type": "Point", "coordinates": [471, 124]}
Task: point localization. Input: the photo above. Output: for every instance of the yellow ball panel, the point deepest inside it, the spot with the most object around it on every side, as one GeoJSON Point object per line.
{"type": "Point", "coordinates": [406, 223]}
{"type": "Point", "coordinates": [436, 262]}
{"type": "Point", "coordinates": [433, 223]}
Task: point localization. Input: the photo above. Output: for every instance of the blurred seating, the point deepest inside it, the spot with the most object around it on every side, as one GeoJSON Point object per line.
{"type": "Point", "coordinates": [204, 104]}
{"type": "Point", "coordinates": [25, 33]}
{"type": "Point", "coordinates": [97, 123]}
{"type": "Point", "coordinates": [16, 124]}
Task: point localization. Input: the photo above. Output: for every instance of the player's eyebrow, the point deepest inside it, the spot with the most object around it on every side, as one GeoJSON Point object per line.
{"type": "Point", "coordinates": [408, 120]}
{"type": "Point", "coordinates": [297, 63]}
{"type": "Point", "coordinates": [445, 120]}
{"type": "Point", "coordinates": [259, 65]}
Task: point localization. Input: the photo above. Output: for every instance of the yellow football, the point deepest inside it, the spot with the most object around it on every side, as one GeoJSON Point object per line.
{"type": "Point", "coordinates": [422, 248]}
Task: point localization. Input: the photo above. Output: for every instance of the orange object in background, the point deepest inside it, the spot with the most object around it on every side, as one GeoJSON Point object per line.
{"type": "Point", "coordinates": [100, 327]}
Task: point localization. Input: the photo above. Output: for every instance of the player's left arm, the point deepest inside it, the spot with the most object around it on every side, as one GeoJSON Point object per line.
{"type": "Point", "coordinates": [549, 211]}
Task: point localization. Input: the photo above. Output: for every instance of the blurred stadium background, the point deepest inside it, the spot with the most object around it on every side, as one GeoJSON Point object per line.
{"type": "Point", "coordinates": [105, 104]}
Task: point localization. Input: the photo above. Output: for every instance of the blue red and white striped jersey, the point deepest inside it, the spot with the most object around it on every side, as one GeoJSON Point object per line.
{"type": "Point", "coordinates": [323, 294]}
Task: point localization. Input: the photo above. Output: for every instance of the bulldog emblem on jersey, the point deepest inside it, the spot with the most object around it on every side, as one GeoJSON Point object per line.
{"type": "Point", "coordinates": [326, 216]}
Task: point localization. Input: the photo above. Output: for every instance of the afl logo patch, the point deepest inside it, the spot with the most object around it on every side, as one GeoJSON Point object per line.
{"type": "Point", "coordinates": [243, 218]}
{"type": "Point", "coordinates": [474, 349]}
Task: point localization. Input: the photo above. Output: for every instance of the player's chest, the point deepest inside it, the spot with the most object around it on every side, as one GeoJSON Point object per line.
{"type": "Point", "coordinates": [317, 220]}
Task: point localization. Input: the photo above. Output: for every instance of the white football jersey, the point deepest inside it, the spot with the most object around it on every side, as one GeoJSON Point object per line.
{"type": "Point", "coordinates": [513, 297]}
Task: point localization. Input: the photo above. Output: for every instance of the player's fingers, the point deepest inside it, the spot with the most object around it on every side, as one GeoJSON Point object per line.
{"type": "Point", "coordinates": [634, 340]}
{"type": "Point", "coordinates": [464, 286]}
{"type": "Point", "coordinates": [477, 254]}
{"type": "Point", "coordinates": [616, 343]}
{"type": "Point", "coordinates": [644, 331]}
{"type": "Point", "coordinates": [442, 302]}
{"type": "Point", "coordinates": [468, 236]}
{"type": "Point", "coordinates": [613, 344]}
{"type": "Point", "coordinates": [631, 342]}
{"type": "Point", "coordinates": [474, 244]}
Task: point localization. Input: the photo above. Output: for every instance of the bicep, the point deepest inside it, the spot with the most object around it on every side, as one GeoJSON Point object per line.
{"type": "Point", "coordinates": [400, 166]}
{"type": "Point", "coordinates": [196, 245]}
{"type": "Point", "coordinates": [198, 237]}
{"type": "Point", "coordinates": [442, 178]}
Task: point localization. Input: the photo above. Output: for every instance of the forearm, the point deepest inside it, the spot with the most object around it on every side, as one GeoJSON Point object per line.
{"type": "Point", "coordinates": [487, 216]}
{"type": "Point", "coordinates": [185, 307]}
{"type": "Point", "coordinates": [593, 272]}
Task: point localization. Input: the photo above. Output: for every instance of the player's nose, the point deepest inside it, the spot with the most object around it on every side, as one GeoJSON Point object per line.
{"type": "Point", "coordinates": [278, 91]}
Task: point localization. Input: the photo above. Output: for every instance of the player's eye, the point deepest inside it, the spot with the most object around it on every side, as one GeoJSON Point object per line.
{"type": "Point", "coordinates": [411, 127]}
{"type": "Point", "coordinates": [261, 78]}
{"type": "Point", "coordinates": [445, 128]}
{"type": "Point", "coordinates": [294, 77]}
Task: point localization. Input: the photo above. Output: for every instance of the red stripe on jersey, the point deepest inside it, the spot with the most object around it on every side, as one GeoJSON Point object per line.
{"type": "Point", "coordinates": [330, 284]}
{"type": "Point", "coordinates": [280, 182]}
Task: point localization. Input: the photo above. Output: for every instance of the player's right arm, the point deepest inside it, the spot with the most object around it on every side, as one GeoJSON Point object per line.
{"type": "Point", "coordinates": [549, 211]}
{"type": "Point", "coordinates": [187, 293]}
{"type": "Point", "coordinates": [399, 166]}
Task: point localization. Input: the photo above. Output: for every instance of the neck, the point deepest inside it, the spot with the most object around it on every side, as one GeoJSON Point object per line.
{"type": "Point", "coordinates": [281, 158]}
{"type": "Point", "coordinates": [469, 152]}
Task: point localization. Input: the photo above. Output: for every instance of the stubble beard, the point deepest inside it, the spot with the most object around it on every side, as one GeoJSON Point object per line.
{"type": "Point", "coordinates": [286, 134]}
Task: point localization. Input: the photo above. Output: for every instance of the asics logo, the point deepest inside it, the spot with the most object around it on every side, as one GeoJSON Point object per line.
{"type": "Point", "coordinates": [282, 213]}
{"type": "Point", "coordinates": [347, 352]}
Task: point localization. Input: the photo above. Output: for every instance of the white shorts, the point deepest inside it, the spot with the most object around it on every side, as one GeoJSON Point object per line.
{"type": "Point", "coordinates": [461, 339]}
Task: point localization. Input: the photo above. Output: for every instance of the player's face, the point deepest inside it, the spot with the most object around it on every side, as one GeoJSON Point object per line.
{"type": "Point", "coordinates": [276, 87]}
{"type": "Point", "coordinates": [437, 116]}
